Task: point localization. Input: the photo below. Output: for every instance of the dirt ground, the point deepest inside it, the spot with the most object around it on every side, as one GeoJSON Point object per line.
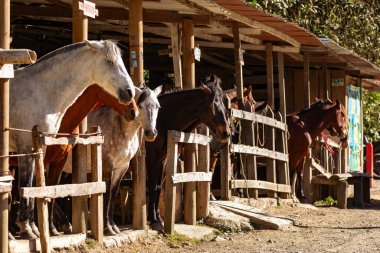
{"type": "Point", "coordinates": [324, 229]}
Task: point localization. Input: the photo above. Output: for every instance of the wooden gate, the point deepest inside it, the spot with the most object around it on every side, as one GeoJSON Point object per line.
{"type": "Point", "coordinates": [273, 152]}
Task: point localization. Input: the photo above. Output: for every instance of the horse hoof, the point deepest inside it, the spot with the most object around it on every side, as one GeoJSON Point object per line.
{"type": "Point", "coordinates": [35, 229]}
{"type": "Point", "coordinates": [10, 236]}
{"type": "Point", "coordinates": [28, 234]}
{"type": "Point", "coordinates": [54, 232]}
{"type": "Point", "coordinates": [212, 197]}
{"type": "Point", "coordinates": [116, 229]}
{"type": "Point", "coordinates": [157, 226]}
{"type": "Point", "coordinates": [108, 231]}
{"type": "Point", "coordinates": [67, 229]}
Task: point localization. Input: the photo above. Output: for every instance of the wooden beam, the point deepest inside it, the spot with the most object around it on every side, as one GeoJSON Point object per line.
{"type": "Point", "coordinates": [306, 79]}
{"type": "Point", "coordinates": [165, 32]}
{"type": "Point", "coordinates": [226, 30]}
{"type": "Point", "coordinates": [269, 71]}
{"type": "Point", "coordinates": [238, 56]}
{"type": "Point", "coordinates": [257, 184]}
{"type": "Point", "coordinates": [192, 177]}
{"type": "Point", "coordinates": [64, 190]}
{"type": "Point", "coordinates": [222, 63]}
{"type": "Point", "coordinates": [281, 84]}
{"type": "Point", "coordinates": [217, 9]}
{"type": "Point", "coordinates": [190, 138]}
{"type": "Point", "coordinates": [72, 140]}
{"type": "Point", "coordinates": [175, 35]}
{"type": "Point", "coordinates": [254, 117]}
{"type": "Point", "coordinates": [244, 149]}
{"type": "Point", "coordinates": [203, 188]}
{"type": "Point", "coordinates": [5, 187]}
{"type": "Point", "coordinates": [17, 56]}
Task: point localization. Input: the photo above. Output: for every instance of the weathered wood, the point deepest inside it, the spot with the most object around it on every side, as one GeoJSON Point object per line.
{"type": "Point", "coordinates": [240, 148]}
{"type": "Point", "coordinates": [5, 34]}
{"type": "Point", "coordinates": [258, 184]}
{"type": "Point", "coordinates": [42, 204]}
{"type": "Point", "coordinates": [96, 206]}
{"type": "Point", "coordinates": [17, 56]}
{"type": "Point", "coordinates": [306, 79]}
{"type": "Point", "coordinates": [170, 188]}
{"type": "Point", "coordinates": [321, 180]}
{"type": "Point", "coordinates": [258, 118]}
{"type": "Point", "coordinates": [65, 190]}
{"type": "Point", "coordinates": [226, 30]}
{"type": "Point", "coordinates": [182, 137]}
{"type": "Point", "coordinates": [282, 166]}
{"type": "Point", "coordinates": [307, 178]}
{"type": "Point", "coordinates": [270, 162]}
{"type": "Point", "coordinates": [192, 177]}
{"type": "Point", "coordinates": [176, 51]}
{"type": "Point", "coordinates": [189, 153]}
{"type": "Point", "coordinates": [203, 188]}
{"type": "Point", "coordinates": [225, 171]}
{"type": "Point", "coordinates": [74, 140]}
{"type": "Point", "coordinates": [5, 187]}
{"type": "Point", "coordinates": [269, 68]}
{"type": "Point", "coordinates": [6, 178]}
{"type": "Point", "coordinates": [342, 194]}
{"type": "Point", "coordinates": [238, 55]}
{"type": "Point", "coordinates": [281, 84]}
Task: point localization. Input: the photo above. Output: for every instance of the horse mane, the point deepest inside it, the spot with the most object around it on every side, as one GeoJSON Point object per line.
{"type": "Point", "coordinates": [111, 49]}
{"type": "Point", "coordinates": [316, 106]}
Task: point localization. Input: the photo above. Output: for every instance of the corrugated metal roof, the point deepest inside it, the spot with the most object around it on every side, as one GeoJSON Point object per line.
{"type": "Point", "coordinates": [303, 36]}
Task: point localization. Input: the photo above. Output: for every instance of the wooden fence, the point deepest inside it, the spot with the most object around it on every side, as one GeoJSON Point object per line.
{"type": "Point", "coordinates": [44, 193]}
{"type": "Point", "coordinates": [203, 176]}
{"type": "Point", "coordinates": [272, 154]}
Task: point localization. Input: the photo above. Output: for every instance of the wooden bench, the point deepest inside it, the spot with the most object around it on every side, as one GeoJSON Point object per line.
{"type": "Point", "coordinates": [341, 181]}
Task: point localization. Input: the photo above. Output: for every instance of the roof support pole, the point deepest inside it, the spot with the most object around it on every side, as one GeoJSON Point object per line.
{"type": "Point", "coordinates": [281, 84]}
{"type": "Point", "coordinates": [238, 65]}
{"type": "Point", "coordinates": [306, 79]}
{"type": "Point", "coordinates": [137, 75]}
{"type": "Point", "coordinates": [189, 82]}
{"type": "Point", "coordinates": [79, 164]}
{"type": "Point", "coordinates": [324, 81]}
{"type": "Point", "coordinates": [270, 84]}
{"type": "Point", "coordinates": [176, 51]}
{"type": "Point", "coordinates": [4, 123]}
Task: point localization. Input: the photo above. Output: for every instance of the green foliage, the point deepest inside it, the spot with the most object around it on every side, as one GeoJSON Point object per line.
{"type": "Point", "coordinates": [354, 24]}
{"type": "Point", "coordinates": [177, 238]}
{"type": "Point", "coordinates": [329, 201]}
{"type": "Point", "coordinates": [371, 112]}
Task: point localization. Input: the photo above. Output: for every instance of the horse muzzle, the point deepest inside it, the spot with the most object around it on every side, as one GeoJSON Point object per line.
{"type": "Point", "coordinates": [222, 133]}
{"type": "Point", "coordinates": [126, 95]}
{"type": "Point", "coordinates": [131, 111]}
{"type": "Point", "coordinates": [150, 135]}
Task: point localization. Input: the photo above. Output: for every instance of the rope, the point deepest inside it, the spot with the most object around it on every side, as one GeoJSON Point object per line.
{"type": "Point", "coordinates": [21, 155]}
{"type": "Point", "coordinates": [328, 147]}
{"type": "Point", "coordinates": [52, 134]}
{"type": "Point", "coordinates": [259, 142]}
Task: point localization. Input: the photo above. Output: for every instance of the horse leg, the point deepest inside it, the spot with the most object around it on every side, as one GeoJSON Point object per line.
{"type": "Point", "coordinates": [213, 160]}
{"type": "Point", "coordinates": [158, 192]}
{"type": "Point", "coordinates": [107, 203]}
{"type": "Point", "coordinates": [152, 172]}
{"type": "Point", "coordinates": [26, 207]}
{"type": "Point", "coordinates": [117, 175]}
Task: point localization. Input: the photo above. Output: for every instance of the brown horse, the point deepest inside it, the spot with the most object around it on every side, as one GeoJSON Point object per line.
{"type": "Point", "coordinates": [182, 110]}
{"type": "Point", "coordinates": [305, 126]}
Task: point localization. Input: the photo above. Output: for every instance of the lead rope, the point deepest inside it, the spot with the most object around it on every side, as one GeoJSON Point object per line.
{"type": "Point", "coordinates": [328, 147]}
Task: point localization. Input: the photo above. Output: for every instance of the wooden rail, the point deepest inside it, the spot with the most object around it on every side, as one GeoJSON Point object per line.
{"type": "Point", "coordinates": [173, 178]}
{"type": "Point", "coordinates": [43, 193]}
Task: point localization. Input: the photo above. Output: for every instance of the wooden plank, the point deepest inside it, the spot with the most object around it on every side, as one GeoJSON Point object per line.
{"type": "Point", "coordinates": [17, 56]}
{"type": "Point", "coordinates": [320, 180]}
{"type": "Point", "coordinates": [258, 118]}
{"type": "Point", "coordinates": [226, 30]}
{"type": "Point", "coordinates": [170, 188]}
{"type": "Point", "coordinates": [65, 190]}
{"type": "Point", "coordinates": [203, 188]}
{"type": "Point", "coordinates": [96, 206]}
{"type": "Point", "coordinates": [307, 178]}
{"type": "Point", "coordinates": [258, 184]}
{"type": "Point", "coordinates": [282, 167]}
{"type": "Point", "coordinates": [270, 144]}
{"type": "Point", "coordinates": [342, 194]}
{"type": "Point", "coordinates": [42, 204]}
{"type": "Point", "coordinates": [281, 84]}
{"type": "Point", "coordinates": [306, 79]}
{"type": "Point", "coordinates": [190, 137]}
{"type": "Point", "coordinates": [226, 171]}
{"type": "Point", "coordinates": [192, 177]}
{"type": "Point", "coordinates": [47, 140]}
{"type": "Point", "coordinates": [176, 51]}
{"type": "Point", "coordinates": [6, 178]}
{"type": "Point", "coordinates": [238, 54]}
{"type": "Point", "coordinates": [269, 71]}
{"type": "Point", "coordinates": [244, 149]}
{"type": "Point", "coordinates": [5, 187]}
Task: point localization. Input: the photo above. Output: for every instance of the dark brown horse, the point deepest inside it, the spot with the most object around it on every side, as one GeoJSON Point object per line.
{"type": "Point", "coordinates": [183, 110]}
{"type": "Point", "coordinates": [305, 126]}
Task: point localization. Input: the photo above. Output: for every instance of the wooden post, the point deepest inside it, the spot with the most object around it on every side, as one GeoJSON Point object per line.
{"type": "Point", "coordinates": [203, 188]}
{"type": "Point", "coordinates": [342, 194]}
{"type": "Point", "coordinates": [42, 204]}
{"type": "Point", "coordinates": [79, 165]}
{"type": "Point", "coordinates": [281, 84]}
{"type": "Point", "coordinates": [306, 79]}
{"type": "Point", "coordinates": [362, 127]}
{"type": "Point", "coordinates": [4, 123]}
{"type": "Point", "coordinates": [306, 178]}
{"type": "Point", "coordinates": [270, 84]}
{"type": "Point", "coordinates": [238, 53]}
{"type": "Point", "coordinates": [270, 145]}
{"type": "Point", "coordinates": [189, 82]}
{"type": "Point", "coordinates": [137, 75]}
{"type": "Point", "coordinates": [96, 207]}
{"type": "Point", "coordinates": [324, 81]}
{"type": "Point", "coordinates": [282, 167]}
{"type": "Point", "coordinates": [225, 171]}
{"type": "Point", "coordinates": [176, 52]}
{"type": "Point", "coordinates": [170, 188]}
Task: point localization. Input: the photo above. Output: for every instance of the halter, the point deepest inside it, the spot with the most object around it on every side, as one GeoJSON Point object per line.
{"type": "Point", "coordinates": [328, 147]}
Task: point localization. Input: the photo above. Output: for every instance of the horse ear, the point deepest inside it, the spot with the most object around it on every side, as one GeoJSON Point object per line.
{"type": "Point", "coordinates": [337, 103]}
{"type": "Point", "coordinates": [158, 90]}
{"type": "Point", "coordinates": [247, 91]}
{"type": "Point", "coordinates": [95, 45]}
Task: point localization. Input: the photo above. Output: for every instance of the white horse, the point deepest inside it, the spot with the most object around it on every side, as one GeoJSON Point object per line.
{"type": "Point", "coordinates": [41, 93]}
{"type": "Point", "coordinates": [121, 143]}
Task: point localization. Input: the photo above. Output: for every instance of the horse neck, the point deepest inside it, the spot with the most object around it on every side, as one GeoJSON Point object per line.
{"type": "Point", "coordinates": [183, 111]}
{"type": "Point", "coordinates": [317, 121]}
{"type": "Point", "coordinates": [91, 98]}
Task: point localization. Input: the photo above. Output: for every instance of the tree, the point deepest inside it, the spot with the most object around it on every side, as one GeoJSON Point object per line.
{"type": "Point", "coordinates": [354, 24]}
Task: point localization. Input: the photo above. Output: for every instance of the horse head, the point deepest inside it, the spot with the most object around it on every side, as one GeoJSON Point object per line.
{"type": "Point", "coordinates": [215, 117]}
{"type": "Point", "coordinates": [109, 70]}
{"type": "Point", "coordinates": [148, 110]}
{"type": "Point", "coordinates": [338, 126]}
